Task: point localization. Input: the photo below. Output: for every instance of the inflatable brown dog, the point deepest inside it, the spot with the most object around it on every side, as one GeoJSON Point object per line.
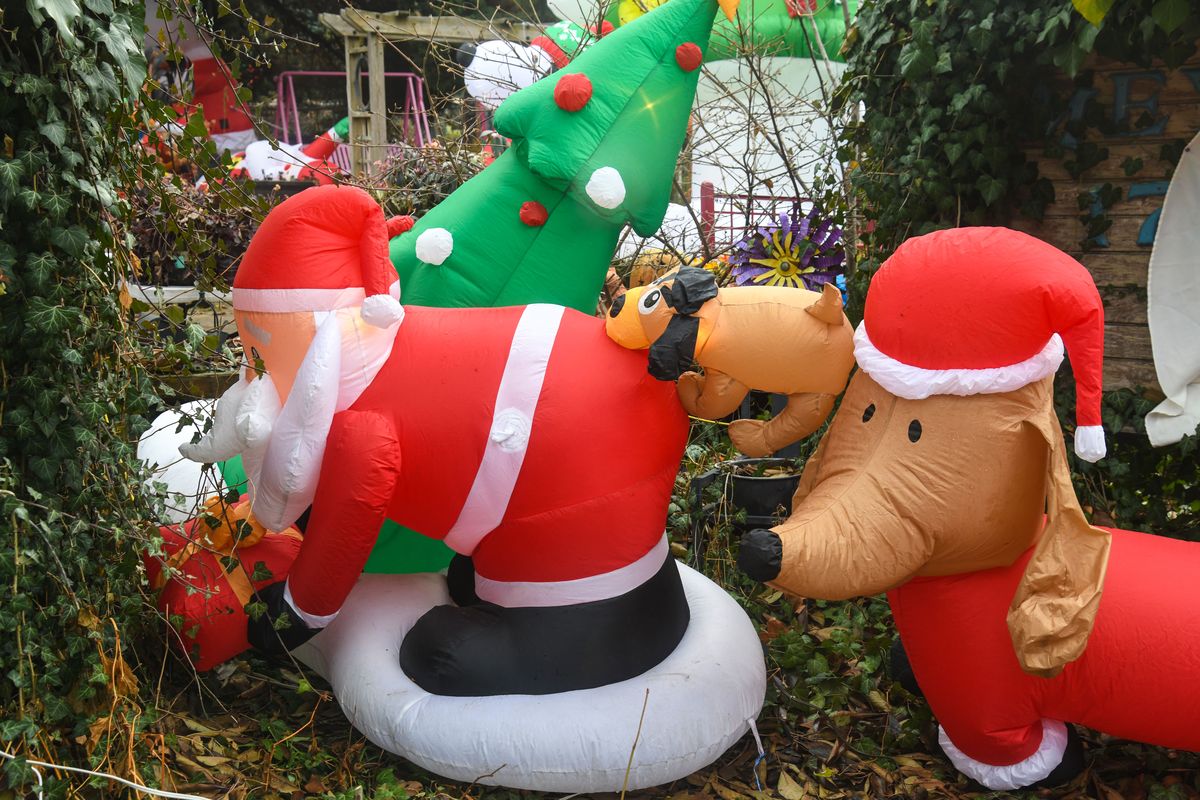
{"type": "Point", "coordinates": [775, 339]}
{"type": "Point", "coordinates": [944, 480]}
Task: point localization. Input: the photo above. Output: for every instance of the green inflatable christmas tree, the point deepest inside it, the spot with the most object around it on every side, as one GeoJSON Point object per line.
{"type": "Point", "coordinates": [594, 147]}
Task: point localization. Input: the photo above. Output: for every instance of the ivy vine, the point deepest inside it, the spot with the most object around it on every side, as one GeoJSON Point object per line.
{"type": "Point", "coordinates": [73, 394]}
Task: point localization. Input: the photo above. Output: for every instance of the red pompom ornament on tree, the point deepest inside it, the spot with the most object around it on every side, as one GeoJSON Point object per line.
{"type": "Point", "coordinates": [688, 56]}
{"type": "Point", "coordinates": [534, 214]}
{"type": "Point", "coordinates": [572, 92]}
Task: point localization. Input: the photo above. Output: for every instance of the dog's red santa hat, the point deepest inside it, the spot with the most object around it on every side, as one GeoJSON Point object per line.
{"type": "Point", "coordinates": [980, 311]}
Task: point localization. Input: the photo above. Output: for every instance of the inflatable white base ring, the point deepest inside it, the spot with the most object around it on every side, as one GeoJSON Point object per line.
{"type": "Point", "coordinates": [696, 703]}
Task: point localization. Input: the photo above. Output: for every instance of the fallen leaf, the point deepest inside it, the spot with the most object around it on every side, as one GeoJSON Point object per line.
{"type": "Point", "coordinates": [878, 701]}
{"type": "Point", "coordinates": [187, 762]}
{"type": "Point", "coordinates": [197, 727]}
{"type": "Point", "coordinates": [788, 789]}
{"type": "Point", "coordinates": [725, 793]}
{"type": "Point", "coordinates": [773, 630]}
{"type": "Point", "coordinates": [824, 633]}
{"type": "Point", "coordinates": [315, 786]}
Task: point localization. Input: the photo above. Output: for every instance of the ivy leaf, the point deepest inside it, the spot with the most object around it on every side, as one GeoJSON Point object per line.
{"type": "Point", "coordinates": [63, 12]}
{"type": "Point", "coordinates": [1170, 14]}
{"type": "Point", "coordinates": [73, 240]}
{"type": "Point", "coordinates": [11, 173]}
{"type": "Point", "coordinates": [991, 188]}
{"type": "Point", "coordinates": [916, 60]}
{"type": "Point", "coordinates": [56, 132]}
{"type": "Point", "coordinates": [1094, 10]}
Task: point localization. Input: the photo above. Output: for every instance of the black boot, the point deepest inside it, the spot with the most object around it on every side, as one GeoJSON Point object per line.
{"type": "Point", "coordinates": [486, 649]}
{"type": "Point", "coordinates": [460, 580]}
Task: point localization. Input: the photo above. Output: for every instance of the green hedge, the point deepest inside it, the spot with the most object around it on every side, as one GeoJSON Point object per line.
{"type": "Point", "coordinates": [954, 93]}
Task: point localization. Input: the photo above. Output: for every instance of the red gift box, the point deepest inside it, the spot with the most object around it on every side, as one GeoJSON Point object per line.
{"type": "Point", "coordinates": [210, 580]}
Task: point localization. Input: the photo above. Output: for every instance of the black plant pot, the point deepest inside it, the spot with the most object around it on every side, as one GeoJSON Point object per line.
{"type": "Point", "coordinates": [283, 188]}
{"type": "Point", "coordinates": [766, 499]}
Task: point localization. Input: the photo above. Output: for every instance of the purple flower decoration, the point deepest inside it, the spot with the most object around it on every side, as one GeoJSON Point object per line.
{"type": "Point", "coordinates": [802, 250]}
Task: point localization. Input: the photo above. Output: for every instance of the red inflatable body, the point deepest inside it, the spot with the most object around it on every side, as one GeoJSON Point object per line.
{"type": "Point", "coordinates": [1142, 658]}
{"type": "Point", "coordinates": [215, 91]}
{"type": "Point", "coordinates": [586, 502]}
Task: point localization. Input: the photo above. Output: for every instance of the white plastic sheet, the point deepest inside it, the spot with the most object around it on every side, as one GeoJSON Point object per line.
{"type": "Point", "coordinates": [1173, 305]}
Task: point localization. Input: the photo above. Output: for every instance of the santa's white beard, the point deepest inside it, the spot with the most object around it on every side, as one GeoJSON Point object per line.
{"type": "Point", "coordinates": [242, 424]}
{"type": "Point", "coordinates": [282, 447]}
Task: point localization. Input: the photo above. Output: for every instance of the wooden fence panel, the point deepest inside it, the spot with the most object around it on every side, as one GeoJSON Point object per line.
{"type": "Point", "coordinates": [1156, 110]}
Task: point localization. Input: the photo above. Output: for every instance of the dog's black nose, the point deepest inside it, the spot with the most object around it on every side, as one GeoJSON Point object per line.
{"type": "Point", "coordinates": [617, 305]}
{"type": "Point", "coordinates": [761, 555]}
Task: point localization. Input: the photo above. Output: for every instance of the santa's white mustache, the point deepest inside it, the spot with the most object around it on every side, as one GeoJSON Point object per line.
{"type": "Point", "coordinates": [242, 422]}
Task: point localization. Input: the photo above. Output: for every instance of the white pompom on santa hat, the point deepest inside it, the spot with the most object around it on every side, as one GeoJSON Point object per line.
{"type": "Point", "coordinates": [323, 249]}
{"type": "Point", "coordinates": [985, 310]}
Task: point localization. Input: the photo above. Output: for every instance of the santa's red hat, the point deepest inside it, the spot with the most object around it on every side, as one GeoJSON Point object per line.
{"type": "Point", "coordinates": [323, 249]}
{"type": "Point", "coordinates": [984, 310]}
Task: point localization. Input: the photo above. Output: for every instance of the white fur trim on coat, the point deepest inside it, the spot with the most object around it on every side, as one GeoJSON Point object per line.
{"type": "Point", "coordinates": [311, 620]}
{"type": "Point", "coordinates": [516, 406]}
{"type": "Point", "coordinates": [523, 594]}
{"type": "Point", "coordinates": [917, 383]}
{"type": "Point", "coordinates": [1013, 776]}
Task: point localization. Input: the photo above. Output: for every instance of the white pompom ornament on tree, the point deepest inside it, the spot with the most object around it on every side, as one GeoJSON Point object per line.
{"type": "Point", "coordinates": [605, 188]}
{"type": "Point", "coordinates": [434, 246]}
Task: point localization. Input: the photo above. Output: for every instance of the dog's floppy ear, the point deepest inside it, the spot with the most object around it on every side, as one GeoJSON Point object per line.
{"type": "Point", "coordinates": [692, 288]}
{"type": "Point", "coordinates": [1055, 605]}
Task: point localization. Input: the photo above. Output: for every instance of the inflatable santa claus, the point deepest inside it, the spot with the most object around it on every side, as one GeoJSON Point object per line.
{"type": "Point", "coordinates": [522, 437]}
{"type": "Point", "coordinates": [213, 89]}
{"type": "Point", "coordinates": [264, 160]}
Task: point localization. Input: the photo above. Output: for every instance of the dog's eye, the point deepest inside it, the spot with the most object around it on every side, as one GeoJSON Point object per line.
{"type": "Point", "coordinates": [650, 301]}
{"type": "Point", "coordinates": [868, 412]}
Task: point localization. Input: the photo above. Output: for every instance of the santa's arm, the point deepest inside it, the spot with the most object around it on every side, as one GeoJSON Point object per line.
{"type": "Point", "coordinates": [358, 477]}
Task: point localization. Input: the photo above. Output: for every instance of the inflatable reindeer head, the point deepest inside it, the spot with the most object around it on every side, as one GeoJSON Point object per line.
{"type": "Point", "coordinates": [946, 452]}
{"type": "Point", "coordinates": [776, 339]}
{"type": "Point", "coordinates": [667, 316]}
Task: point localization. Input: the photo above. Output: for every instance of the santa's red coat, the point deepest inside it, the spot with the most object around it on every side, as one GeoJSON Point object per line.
{"type": "Point", "coordinates": [590, 491]}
